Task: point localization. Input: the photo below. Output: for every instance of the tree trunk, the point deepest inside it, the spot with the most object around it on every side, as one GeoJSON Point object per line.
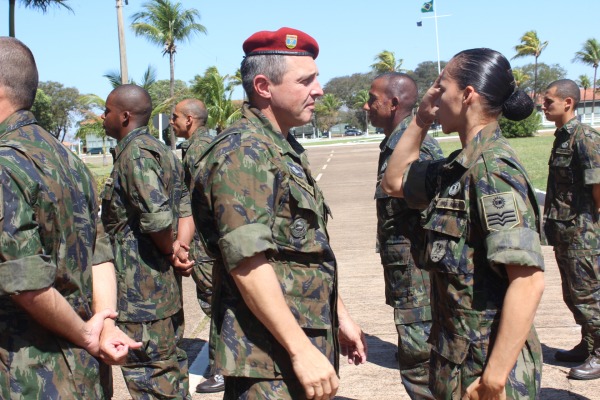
{"type": "Point", "coordinates": [172, 93]}
{"type": "Point", "coordinates": [535, 82]}
{"type": "Point", "coordinates": [122, 48]}
{"type": "Point", "coordinates": [11, 18]}
{"type": "Point", "coordinates": [594, 92]}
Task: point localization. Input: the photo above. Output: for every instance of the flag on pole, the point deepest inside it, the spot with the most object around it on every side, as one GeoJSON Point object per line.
{"type": "Point", "coordinates": [427, 7]}
{"type": "Point", "coordinates": [419, 23]}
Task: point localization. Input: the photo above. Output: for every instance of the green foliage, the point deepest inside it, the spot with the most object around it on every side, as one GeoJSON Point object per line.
{"type": "Point", "coordinates": [386, 62]}
{"type": "Point", "coordinates": [327, 111]}
{"type": "Point", "coordinates": [425, 74]}
{"type": "Point", "coordinates": [590, 55]}
{"type": "Point", "coordinates": [546, 74]}
{"type": "Point", "coordinates": [215, 90]}
{"type": "Point", "coordinates": [65, 106]}
{"type": "Point", "coordinates": [525, 128]}
{"type": "Point", "coordinates": [346, 88]}
{"type": "Point", "coordinates": [42, 109]}
{"type": "Point", "coordinates": [160, 93]}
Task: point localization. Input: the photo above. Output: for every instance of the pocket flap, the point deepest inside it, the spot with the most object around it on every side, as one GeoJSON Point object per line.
{"type": "Point", "coordinates": [453, 348]}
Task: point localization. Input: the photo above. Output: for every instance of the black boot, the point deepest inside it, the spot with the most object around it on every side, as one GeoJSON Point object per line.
{"type": "Point", "coordinates": [578, 353]}
{"type": "Point", "coordinates": [590, 369]}
{"type": "Point", "coordinates": [214, 384]}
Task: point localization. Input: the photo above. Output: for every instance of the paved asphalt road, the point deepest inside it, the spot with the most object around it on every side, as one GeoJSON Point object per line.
{"type": "Point", "coordinates": [346, 173]}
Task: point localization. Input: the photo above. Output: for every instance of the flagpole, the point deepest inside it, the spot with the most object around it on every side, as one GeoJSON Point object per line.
{"type": "Point", "coordinates": [437, 40]}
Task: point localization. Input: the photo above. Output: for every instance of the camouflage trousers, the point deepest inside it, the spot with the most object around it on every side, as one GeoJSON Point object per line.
{"type": "Point", "coordinates": [580, 276]}
{"type": "Point", "coordinates": [202, 276]}
{"type": "Point", "coordinates": [449, 381]}
{"type": "Point", "coordinates": [159, 369]}
{"type": "Point", "coordinates": [413, 357]}
{"type": "Point", "coordinates": [252, 389]}
{"type": "Point", "coordinates": [35, 364]}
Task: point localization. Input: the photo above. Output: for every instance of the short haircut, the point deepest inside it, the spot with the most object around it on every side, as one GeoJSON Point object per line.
{"type": "Point", "coordinates": [271, 66]}
{"type": "Point", "coordinates": [402, 86]}
{"type": "Point", "coordinates": [566, 88]}
{"type": "Point", "coordinates": [18, 73]}
{"type": "Point", "coordinates": [195, 108]}
{"type": "Point", "coordinates": [134, 99]}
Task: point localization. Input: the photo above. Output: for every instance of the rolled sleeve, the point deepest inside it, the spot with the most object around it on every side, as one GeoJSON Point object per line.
{"type": "Point", "coordinates": [103, 251]}
{"type": "Point", "coordinates": [591, 176]}
{"type": "Point", "coordinates": [155, 222]}
{"type": "Point", "coordinates": [245, 241]}
{"type": "Point", "coordinates": [517, 246]}
{"type": "Point", "coordinates": [27, 273]}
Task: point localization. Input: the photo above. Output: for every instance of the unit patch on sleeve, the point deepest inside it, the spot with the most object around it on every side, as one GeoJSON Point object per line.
{"type": "Point", "coordinates": [500, 211]}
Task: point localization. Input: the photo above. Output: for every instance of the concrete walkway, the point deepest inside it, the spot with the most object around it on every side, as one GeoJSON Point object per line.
{"type": "Point", "coordinates": [347, 176]}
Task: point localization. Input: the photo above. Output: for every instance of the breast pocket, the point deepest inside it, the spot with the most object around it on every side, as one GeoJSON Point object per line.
{"type": "Point", "coordinates": [447, 232]}
{"type": "Point", "coordinates": [565, 183]}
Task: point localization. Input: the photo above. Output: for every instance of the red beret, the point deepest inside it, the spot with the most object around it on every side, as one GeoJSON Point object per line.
{"type": "Point", "coordinates": [285, 41]}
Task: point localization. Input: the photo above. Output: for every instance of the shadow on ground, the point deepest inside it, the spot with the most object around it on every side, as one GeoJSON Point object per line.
{"type": "Point", "coordinates": [381, 353]}
{"type": "Point", "coordinates": [548, 353]}
{"type": "Point", "coordinates": [559, 394]}
{"type": "Point", "coordinates": [192, 347]}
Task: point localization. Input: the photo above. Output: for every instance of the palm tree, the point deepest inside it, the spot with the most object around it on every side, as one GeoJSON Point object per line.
{"type": "Point", "coordinates": [359, 101]}
{"type": "Point", "coordinates": [327, 108]}
{"type": "Point", "coordinates": [149, 77]}
{"type": "Point", "coordinates": [531, 46]}
{"type": "Point", "coordinates": [590, 55]}
{"type": "Point", "coordinates": [520, 77]}
{"type": "Point", "coordinates": [39, 4]}
{"type": "Point", "coordinates": [386, 62]}
{"type": "Point", "coordinates": [216, 90]}
{"type": "Point", "coordinates": [585, 83]}
{"type": "Point", "coordinates": [165, 23]}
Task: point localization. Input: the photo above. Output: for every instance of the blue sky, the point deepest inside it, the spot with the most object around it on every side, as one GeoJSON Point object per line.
{"type": "Point", "coordinates": [77, 48]}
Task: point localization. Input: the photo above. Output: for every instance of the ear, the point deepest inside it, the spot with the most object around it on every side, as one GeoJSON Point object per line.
{"type": "Point", "coordinates": [395, 103]}
{"type": "Point", "coordinates": [262, 86]}
{"type": "Point", "coordinates": [125, 118]}
{"type": "Point", "coordinates": [188, 121]}
{"type": "Point", "coordinates": [569, 103]}
{"type": "Point", "coordinates": [469, 95]}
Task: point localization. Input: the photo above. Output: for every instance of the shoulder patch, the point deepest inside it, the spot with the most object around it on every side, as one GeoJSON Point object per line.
{"type": "Point", "coordinates": [500, 211]}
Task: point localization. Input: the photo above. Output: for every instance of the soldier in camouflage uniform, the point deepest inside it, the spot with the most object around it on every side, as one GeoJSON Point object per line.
{"type": "Point", "coordinates": [483, 244]}
{"type": "Point", "coordinates": [188, 121]}
{"type": "Point", "coordinates": [50, 253]}
{"type": "Point", "coordinates": [145, 205]}
{"type": "Point", "coordinates": [275, 310]}
{"type": "Point", "coordinates": [391, 100]}
{"type": "Point", "coordinates": [572, 226]}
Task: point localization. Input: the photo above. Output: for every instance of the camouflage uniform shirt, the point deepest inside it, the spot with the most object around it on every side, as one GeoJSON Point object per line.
{"type": "Point", "coordinates": [570, 211]}
{"type": "Point", "coordinates": [397, 227]}
{"type": "Point", "coordinates": [255, 193]}
{"type": "Point", "coordinates": [48, 217]}
{"type": "Point", "coordinates": [144, 194]}
{"type": "Point", "coordinates": [483, 215]}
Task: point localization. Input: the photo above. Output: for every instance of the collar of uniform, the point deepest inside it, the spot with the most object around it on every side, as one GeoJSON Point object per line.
{"type": "Point", "coordinates": [567, 128]}
{"type": "Point", "coordinates": [16, 120]}
{"type": "Point", "coordinates": [127, 139]}
{"type": "Point", "coordinates": [391, 141]}
{"type": "Point", "coordinates": [285, 145]}
{"type": "Point", "coordinates": [469, 155]}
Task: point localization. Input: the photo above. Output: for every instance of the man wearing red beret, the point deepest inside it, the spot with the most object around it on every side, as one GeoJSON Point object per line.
{"type": "Point", "coordinates": [278, 322]}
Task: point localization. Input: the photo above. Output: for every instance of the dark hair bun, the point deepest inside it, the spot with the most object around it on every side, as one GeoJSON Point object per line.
{"type": "Point", "coordinates": [518, 106]}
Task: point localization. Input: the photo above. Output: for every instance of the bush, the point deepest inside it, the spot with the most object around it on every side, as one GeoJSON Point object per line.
{"type": "Point", "coordinates": [525, 128]}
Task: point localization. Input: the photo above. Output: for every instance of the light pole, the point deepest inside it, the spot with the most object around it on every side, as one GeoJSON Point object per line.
{"type": "Point", "coordinates": [122, 49]}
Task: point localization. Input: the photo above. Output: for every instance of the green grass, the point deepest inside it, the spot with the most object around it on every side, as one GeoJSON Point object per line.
{"type": "Point", "coordinates": [533, 152]}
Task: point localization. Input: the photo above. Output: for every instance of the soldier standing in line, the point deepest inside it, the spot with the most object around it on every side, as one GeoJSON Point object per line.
{"type": "Point", "coordinates": [571, 221]}
{"type": "Point", "coordinates": [55, 265]}
{"type": "Point", "coordinates": [145, 205]}
{"type": "Point", "coordinates": [276, 309]}
{"type": "Point", "coordinates": [189, 122]}
{"type": "Point", "coordinates": [392, 98]}
{"type": "Point", "coordinates": [483, 244]}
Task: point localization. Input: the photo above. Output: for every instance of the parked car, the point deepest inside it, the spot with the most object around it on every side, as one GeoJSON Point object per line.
{"type": "Point", "coordinates": [352, 132]}
{"type": "Point", "coordinates": [94, 150]}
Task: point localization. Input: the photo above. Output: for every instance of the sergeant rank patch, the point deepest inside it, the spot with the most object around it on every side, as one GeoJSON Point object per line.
{"type": "Point", "coordinates": [500, 211]}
